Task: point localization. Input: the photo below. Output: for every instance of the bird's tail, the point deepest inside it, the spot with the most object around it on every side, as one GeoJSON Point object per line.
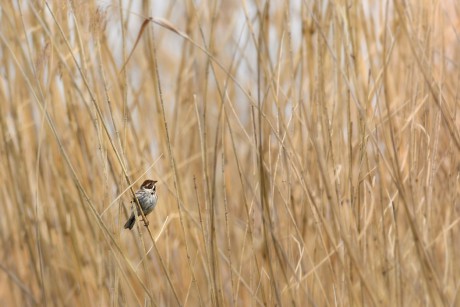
{"type": "Point", "coordinates": [130, 223]}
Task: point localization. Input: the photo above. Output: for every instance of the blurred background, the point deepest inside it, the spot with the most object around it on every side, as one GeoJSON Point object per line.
{"type": "Point", "coordinates": [306, 152]}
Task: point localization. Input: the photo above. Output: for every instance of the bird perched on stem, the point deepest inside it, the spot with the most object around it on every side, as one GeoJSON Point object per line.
{"type": "Point", "coordinates": [147, 197]}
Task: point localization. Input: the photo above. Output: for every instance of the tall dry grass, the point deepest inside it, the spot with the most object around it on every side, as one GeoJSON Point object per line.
{"type": "Point", "coordinates": [307, 152]}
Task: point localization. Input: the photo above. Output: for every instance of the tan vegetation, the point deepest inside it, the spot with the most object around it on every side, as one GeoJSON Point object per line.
{"type": "Point", "coordinates": [307, 152]}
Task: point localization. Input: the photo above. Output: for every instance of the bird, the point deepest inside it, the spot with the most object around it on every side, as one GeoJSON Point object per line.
{"type": "Point", "coordinates": [147, 197]}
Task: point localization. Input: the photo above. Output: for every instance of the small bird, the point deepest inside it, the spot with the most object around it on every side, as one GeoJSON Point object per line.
{"type": "Point", "coordinates": [147, 197]}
